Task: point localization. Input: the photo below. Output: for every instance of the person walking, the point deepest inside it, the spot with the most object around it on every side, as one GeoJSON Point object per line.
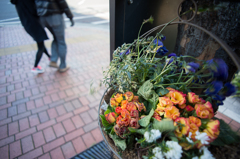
{"type": "Point", "coordinates": [27, 13]}
{"type": "Point", "coordinates": [50, 13]}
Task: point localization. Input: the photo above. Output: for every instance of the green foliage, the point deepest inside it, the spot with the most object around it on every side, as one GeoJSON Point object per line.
{"type": "Point", "coordinates": [146, 90]}
{"type": "Point", "coordinates": [139, 131]}
{"type": "Point", "coordinates": [107, 127]}
{"type": "Point", "coordinates": [227, 135]}
{"type": "Point", "coordinates": [119, 142]}
{"type": "Point", "coordinates": [145, 121]}
{"type": "Point", "coordinates": [153, 101]}
{"type": "Point", "coordinates": [107, 111]}
{"type": "Point", "coordinates": [162, 91]}
{"type": "Point", "coordinates": [236, 83]}
{"type": "Point", "coordinates": [164, 125]}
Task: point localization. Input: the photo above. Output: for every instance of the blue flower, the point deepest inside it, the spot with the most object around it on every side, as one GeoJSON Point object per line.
{"type": "Point", "coordinates": [192, 66]}
{"type": "Point", "coordinates": [214, 88]}
{"type": "Point", "coordinates": [162, 50]}
{"type": "Point", "coordinates": [228, 90]}
{"type": "Point", "coordinates": [158, 41]}
{"type": "Point", "coordinates": [163, 38]}
{"type": "Point", "coordinates": [218, 99]}
{"type": "Point", "coordinates": [128, 51]}
{"type": "Point", "coordinates": [172, 54]}
{"type": "Point", "coordinates": [219, 69]}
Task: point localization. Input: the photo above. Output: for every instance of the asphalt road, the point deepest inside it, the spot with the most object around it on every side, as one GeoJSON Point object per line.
{"type": "Point", "coordinates": [95, 12]}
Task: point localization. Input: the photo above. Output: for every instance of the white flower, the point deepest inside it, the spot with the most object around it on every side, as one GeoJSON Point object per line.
{"type": "Point", "coordinates": [189, 138]}
{"type": "Point", "coordinates": [157, 151]}
{"type": "Point", "coordinates": [206, 153]}
{"type": "Point", "coordinates": [175, 150]}
{"type": "Point", "coordinates": [202, 137]}
{"type": "Point", "coordinates": [153, 135]}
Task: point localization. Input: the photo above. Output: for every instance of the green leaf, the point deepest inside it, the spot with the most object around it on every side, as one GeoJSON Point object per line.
{"type": "Point", "coordinates": [129, 75]}
{"type": "Point", "coordinates": [153, 101]}
{"type": "Point", "coordinates": [119, 142]}
{"type": "Point", "coordinates": [227, 135]}
{"type": "Point", "coordinates": [107, 111]}
{"type": "Point", "coordinates": [145, 121]}
{"type": "Point", "coordinates": [146, 90]}
{"type": "Point", "coordinates": [139, 131]}
{"type": "Point", "coordinates": [164, 125]}
{"type": "Point", "coordinates": [162, 91]}
{"type": "Point", "coordinates": [173, 138]}
{"type": "Point", "coordinates": [125, 67]}
{"type": "Point", "coordinates": [141, 140]}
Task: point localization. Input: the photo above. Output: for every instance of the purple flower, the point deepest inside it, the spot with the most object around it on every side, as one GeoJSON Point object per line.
{"type": "Point", "coordinates": [158, 42]}
{"type": "Point", "coordinates": [162, 50]}
{"type": "Point", "coordinates": [192, 66]}
{"type": "Point", "coordinates": [214, 88]}
{"type": "Point", "coordinates": [219, 69]}
{"type": "Point", "coordinates": [128, 51]}
{"type": "Point", "coordinates": [228, 90]}
{"type": "Point", "coordinates": [172, 54]}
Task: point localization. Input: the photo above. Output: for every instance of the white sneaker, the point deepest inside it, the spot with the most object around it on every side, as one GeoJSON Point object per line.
{"type": "Point", "coordinates": [37, 69]}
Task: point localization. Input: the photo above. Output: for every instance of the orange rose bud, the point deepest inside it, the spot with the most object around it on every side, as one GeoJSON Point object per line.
{"type": "Point", "coordinates": [156, 116]}
{"type": "Point", "coordinates": [118, 97]}
{"type": "Point", "coordinates": [189, 108]}
{"type": "Point", "coordinates": [172, 113]}
{"type": "Point", "coordinates": [204, 111]}
{"type": "Point", "coordinates": [140, 106]}
{"type": "Point", "coordinates": [118, 110]}
{"type": "Point", "coordinates": [111, 117]}
{"type": "Point", "coordinates": [182, 129]}
{"type": "Point", "coordinates": [124, 104]}
{"type": "Point", "coordinates": [113, 102]}
{"type": "Point", "coordinates": [131, 106]}
{"type": "Point", "coordinates": [178, 98]}
{"type": "Point", "coordinates": [193, 98]}
{"type": "Point", "coordinates": [118, 118]}
{"type": "Point", "coordinates": [182, 106]}
{"type": "Point", "coordinates": [212, 129]}
{"type": "Point", "coordinates": [134, 114]}
{"type": "Point", "coordinates": [134, 123]}
{"type": "Point", "coordinates": [135, 99]}
{"type": "Point", "coordinates": [195, 120]}
{"type": "Point", "coordinates": [129, 96]}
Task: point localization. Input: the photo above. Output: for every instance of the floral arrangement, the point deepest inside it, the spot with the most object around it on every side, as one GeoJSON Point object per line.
{"type": "Point", "coordinates": [165, 103]}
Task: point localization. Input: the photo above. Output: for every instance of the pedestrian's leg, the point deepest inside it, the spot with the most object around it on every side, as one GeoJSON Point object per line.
{"type": "Point", "coordinates": [46, 52]}
{"type": "Point", "coordinates": [40, 46]}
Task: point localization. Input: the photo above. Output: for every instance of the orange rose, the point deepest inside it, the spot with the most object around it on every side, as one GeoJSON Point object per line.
{"type": "Point", "coordinates": [120, 130]}
{"type": "Point", "coordinates": [183, 128]}
{"type": "Point", "coordinates": [212, 129]}
{"type": "Point", "coordinates": [193, 98]}
{"type": "Point", "coordinates": [125, 113]}
{"type": "Point", "coordinates": [118, 110]}
{"type": "Point", "coordinates": [193, 129]}
{"type": "Point", "coordinates": [204, 110]}
{"type": "Point", "coordinates": [185, 145]}
{"type": "Point", "coordinates": [178, 98]}
{"type": "Point", "coordinates": [134, 114]}
{"type": "Point", "coordinates": [156, 116]}
{"type": "Point", "coordinates": [113, 102]}
{"type": "Point", "coordinates": [111, 117]}
{"type": "Point", "coordinates": [118, 118]}
{"type": "Point", "coordinates": [131, 106]}
{"type": "Point", "coordinates": [160, 110]}
{"type": "Point", "coordinates": [165, 102]}
{"type": "Point", "coordinates": [140, 106]}
{"type": "Point", "coordinates": [129, 96]}
{"type": "Point", "coordinates": [124, 104]}
{"type": "Point", "coordinates": [189, 108]}
{"type": "Point", "coordinates": [118, 97]}
{"type": "Point", "coordinates": [170, 91]}
{"type": "Point", "coordinates": [135, 99]}
{"type": "Point", "coordinates": [195, 120]}
{"type": "Point", "coordinates": [172, 112]}
{"type": "Point", "coordinates": [124, 121]}
{"type": "Point", "coordinates": [134, 123]}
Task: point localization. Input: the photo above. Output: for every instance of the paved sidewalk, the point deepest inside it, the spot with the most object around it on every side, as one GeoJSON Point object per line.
{"type": "Point", "coordinates": [52, 115]}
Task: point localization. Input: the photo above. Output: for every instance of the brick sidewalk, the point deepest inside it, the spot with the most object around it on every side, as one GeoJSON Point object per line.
{"type": "Point", "coordinates": [52, 115]}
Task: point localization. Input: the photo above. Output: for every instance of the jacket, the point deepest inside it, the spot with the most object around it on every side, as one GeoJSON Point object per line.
{"type": "Point", "coordinates": [48, 7]}
{"type": "Point", "coordinates": [27, 13]}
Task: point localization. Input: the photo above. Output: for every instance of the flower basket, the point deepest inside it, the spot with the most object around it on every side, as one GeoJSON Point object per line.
{"type": "Point", "coordinates": [163, 107]}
